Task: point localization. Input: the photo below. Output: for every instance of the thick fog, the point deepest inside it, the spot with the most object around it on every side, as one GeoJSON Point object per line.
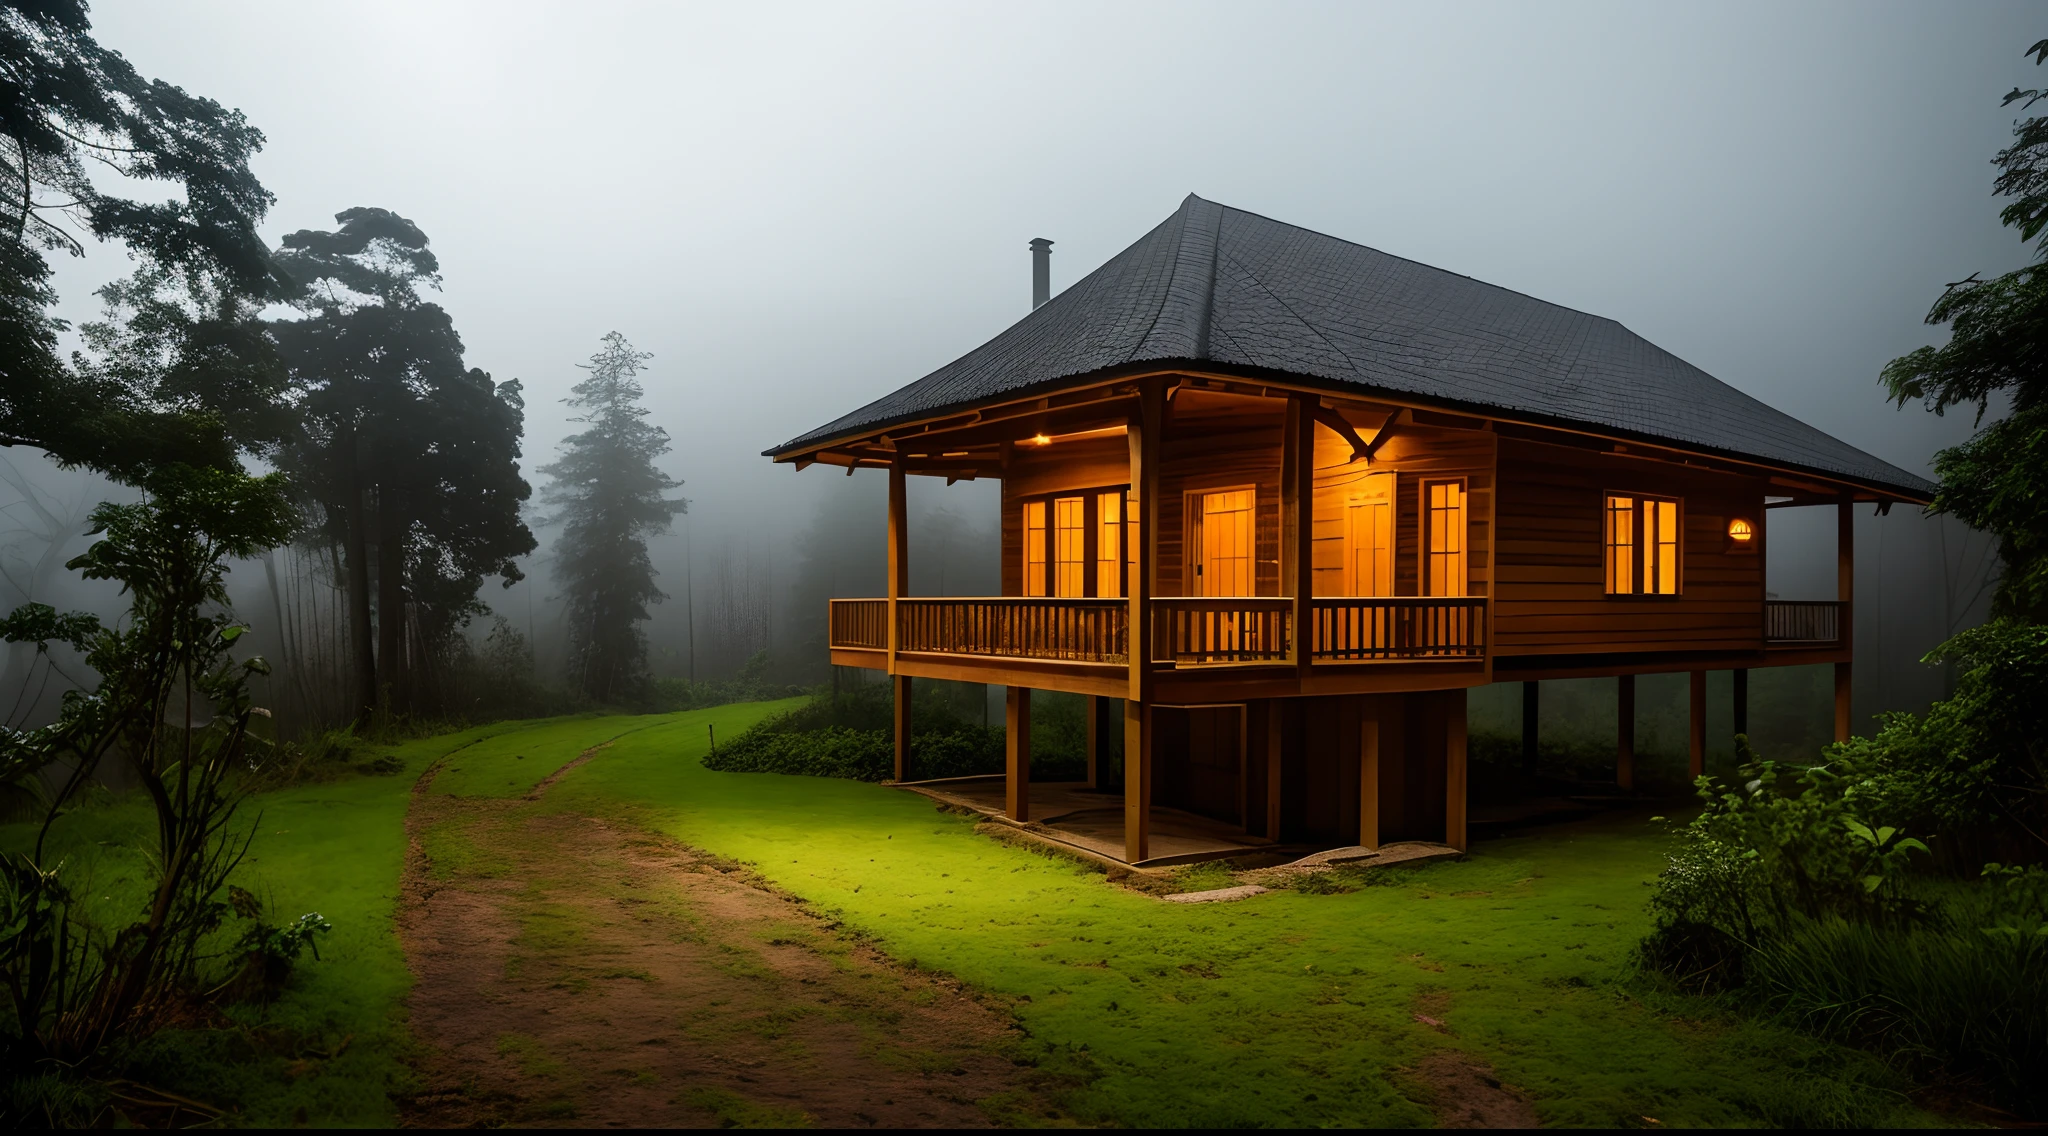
{"type": "Point", "coordinates": [798, 208]}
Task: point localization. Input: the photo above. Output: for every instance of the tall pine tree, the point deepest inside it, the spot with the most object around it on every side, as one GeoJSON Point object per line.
{"type": "Point", "coordinates": [610, 498]}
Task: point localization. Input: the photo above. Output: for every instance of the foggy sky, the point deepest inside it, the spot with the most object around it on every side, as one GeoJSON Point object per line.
{"type": "Point", "coordinates": [798, 208]}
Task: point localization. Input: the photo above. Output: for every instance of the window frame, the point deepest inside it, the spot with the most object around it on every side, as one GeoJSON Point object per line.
{"type": "Point", "coordinates": [1422, 535]}
{"type": "Point", "coordinates": [1047, 545]}
{"type": "Point", "coordinates": [1644, 558]}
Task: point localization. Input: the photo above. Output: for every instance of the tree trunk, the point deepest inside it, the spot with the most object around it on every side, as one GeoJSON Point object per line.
{"type": "Point", "coordinates": [392, 526]}
{"type": "Point", "coordinates": [355, 559]}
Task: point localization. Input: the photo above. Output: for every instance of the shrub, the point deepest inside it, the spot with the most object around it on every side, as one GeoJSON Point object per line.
{"type": "Point", "coordinates": [1787, 892]}
{"type": "Point", "coordinates": [852, 736]}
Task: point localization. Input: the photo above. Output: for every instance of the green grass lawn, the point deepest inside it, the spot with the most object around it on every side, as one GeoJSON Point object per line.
{"type": "Point", "coordinates": [1288, 1009]}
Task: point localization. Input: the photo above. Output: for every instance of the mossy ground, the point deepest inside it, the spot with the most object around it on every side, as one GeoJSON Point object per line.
{"type": "Point", "coordinates": [1289, 1009]}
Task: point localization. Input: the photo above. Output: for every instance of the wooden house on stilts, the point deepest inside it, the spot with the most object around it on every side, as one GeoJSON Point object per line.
{"type": "Point", "coordinates": [1275, 502]}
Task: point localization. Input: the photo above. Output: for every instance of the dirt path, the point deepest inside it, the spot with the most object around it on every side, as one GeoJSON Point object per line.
{"type": "Point", "coordinates": [575, 972]}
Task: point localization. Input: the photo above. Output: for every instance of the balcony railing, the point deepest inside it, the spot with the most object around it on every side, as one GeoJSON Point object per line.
{"type": "Point", "coordinates": [1206, 632]}
{"type": "Point", "coordinates": [860, 624]}
{"type": "Point", "coordinates": [1383, 627]}
{"type": "Point", "coordinates": [1804, 622]}
{"type": "Point", "coordinates": [1073, 630]}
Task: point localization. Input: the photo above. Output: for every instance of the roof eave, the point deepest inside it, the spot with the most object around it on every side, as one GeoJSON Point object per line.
{"type": "Point", "coordinates": [799, 448]}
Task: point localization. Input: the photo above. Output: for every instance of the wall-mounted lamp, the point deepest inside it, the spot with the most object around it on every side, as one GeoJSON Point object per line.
{"type": "Point", "coordinates": [1741, 535]}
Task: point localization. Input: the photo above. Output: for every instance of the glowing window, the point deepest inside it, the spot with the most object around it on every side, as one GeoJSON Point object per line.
{"type": "Point", "coordinates": [1643, 546]}
{"type": "Point", "coordinates": [1034, 548]}
{"type": "Point", "coordinates": [1109, 543]}
{"type": "Point", "coordinates": [1443, 504]}
{"type": "Point", "coordinates": [1070, 541]}
{"type": "Point", "coordinates": [1621, 546]}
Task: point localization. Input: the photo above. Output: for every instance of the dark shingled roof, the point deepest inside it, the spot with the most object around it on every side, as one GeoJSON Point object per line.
{"type": "Point", "coordinates": [1219, 285]}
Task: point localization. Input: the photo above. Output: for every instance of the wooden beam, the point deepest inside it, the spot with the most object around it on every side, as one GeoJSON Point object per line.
{"type": "Point", "coordinates": [899, 583]}
{"type": "Point", "coordinates": [1845, 590]}
{"type": "Point", "coordinates": [1274, 767]}
{"type": "Point", "coordinates": [1017, 753]}
{"type": "Point", "coordinates": [1369, 775]}
{"type": "Point", "coordinates": [1454, 769]}
{"type": "Point", "coordinates": [1529, 708]}
{"type": "Point", "coordinates": [1359, 447]}
{"type": "Point", "coordinates": [1147, 422]}
{"type": "Point", "coordinates": [1297, 526]}
{"type": "Point", "coordinates": [1696, 725]}
{"type": "Point", "coordinates": [1094, 704]}
{"type": "Point", "coordinates": [1844, 688]}
{"type": "Point", "coordinates": [1137, 781]}
{"type": "Point", "coordinates": [1625, 733]}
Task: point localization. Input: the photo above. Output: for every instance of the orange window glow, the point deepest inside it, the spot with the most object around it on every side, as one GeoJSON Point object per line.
{"type": "Point", "coordinates": [1034, 548]}
{"type": "Point", "coordinates": [1070, 536]}
{"type": "Point", "coordinates": [1109, 543]}
{"type": "Point", "coordinates": [1444, 506]}
{"type": "Point", "coordinates": [1643, 546]}
{"type": "Point", "coordinates": [1621, 546]}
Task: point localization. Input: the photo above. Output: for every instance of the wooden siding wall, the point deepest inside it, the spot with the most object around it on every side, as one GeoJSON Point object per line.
{"type": "Point", "coordinates": [1319, 770]}
{"type": "Point", "coordinates": [1415, 454]}
{"type": "Point", "coordinates": [1206, 452]}
{"type": "Point", "coordinates": [1552, 578]}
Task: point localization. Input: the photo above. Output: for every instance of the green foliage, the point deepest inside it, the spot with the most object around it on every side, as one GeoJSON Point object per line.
{"type": "Point", "coordinates": [402, 449]}
{"type": "Point", "coordinates": [1786, 890]}
{"type": "Point", "coordinates": [173, 704]}
{"type": "Point", "coordinates": [1974, 767]}
{"type": "Point", "coordinates": [74, 113]}
{"type": "Point", "coordinates": [1998, 480]}
{"type": "Point", "coordinates": [750, 684]}
{"type": "Point", "coordinates": [852, 736]}
{"type": "Point", "coordinates": [610, 499]}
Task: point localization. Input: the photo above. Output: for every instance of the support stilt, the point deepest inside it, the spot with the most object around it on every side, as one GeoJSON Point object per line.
{"type": "Point", "coordinates": [1137, 781]}
{"type": "Point", "coordinates": [1529, 695]}
{"type": "Point", "coordinates": [1696, 726]}
{"type": "Point", "coordinates": [1368, 781]}
{"type": "Point", "coordinates": [1742, 700]}
{"type": "Point", "coordinates": [1454, 770]}
{"type": "Point", "coordinates": [1625, 733]}
{"type": "Point", "coordinates": [901, 724]}
{"type": "Point", "coordinates": [1017, 753]}
{"type": "Point", "coordinates": [1842, 692]}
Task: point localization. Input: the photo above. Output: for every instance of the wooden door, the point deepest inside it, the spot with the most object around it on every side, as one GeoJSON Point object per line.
{"type": "Point", "coordinates": [1224, 566]}
{"type": "Point", "coordinates": [1369, 539]}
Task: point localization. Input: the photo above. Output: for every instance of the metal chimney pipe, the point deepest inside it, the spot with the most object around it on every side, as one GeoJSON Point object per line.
{"type": "Point", "coordinates": [1041, 271]}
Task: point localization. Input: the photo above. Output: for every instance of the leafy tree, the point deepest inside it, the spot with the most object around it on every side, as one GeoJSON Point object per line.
{"type": "Point", "coordinates": [402, 448]}
{"type": "Point", "coordinates": [72, 111]}
{"type": "Point", "coordinates": [1998, 346]}
{"type": "Point", "coordinates": [610, 497]}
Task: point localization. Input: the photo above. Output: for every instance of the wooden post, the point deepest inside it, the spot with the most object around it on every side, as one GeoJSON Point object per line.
{"type": "Point", "coordinates": [1696, 725]}
{"type": "Point", "coordinates": [1625, 733]}
{"type": "Point", "coordinates": [1017, 753]}
{"type": "Point", "coordinates": [899, 583]}
{"type": "Point", "coordinates": [1274, 768]}
{"type": "Point", "coordinates": [1845, 588]}
{"type": "Point", "coordinates": [1529, 753]}
{"type": "Point", "coordinates": [1369, 777]}
{"type": "Point", "coordinates": [1146, 425]}
{"type": "Point", "coordinates": [1297, 526]}
{"type": "Point", "coordinates": [1094, 740]}
{"type": "Point", "coordinates": [1454, 769]}
{"type": "Point", "coordinates": [1137, 781]}
{"type": "Point", "coordinates": [1742, 700]}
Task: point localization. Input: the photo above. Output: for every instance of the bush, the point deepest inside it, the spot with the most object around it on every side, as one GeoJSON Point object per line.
{"type": "Point", "coordinates": [1974, 768]}
{"type": "Point", "coordinates": [1791, 893]}
{"type": "Point", "coordinates": [751, 684]}
{"type": "Point", "coordinates": [852, 736]}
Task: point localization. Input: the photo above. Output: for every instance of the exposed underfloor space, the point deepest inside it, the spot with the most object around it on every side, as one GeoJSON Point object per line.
{"type": "Point", "coordinates": [1093, 821]}
{"type": "Point", "coordinates": [576, 972]}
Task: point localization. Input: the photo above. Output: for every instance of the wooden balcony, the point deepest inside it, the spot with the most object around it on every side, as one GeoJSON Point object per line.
{"type": "Point", "coordinates": [1089, 639]}
{"type": "Point", "coordinates": [1805, 623]}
